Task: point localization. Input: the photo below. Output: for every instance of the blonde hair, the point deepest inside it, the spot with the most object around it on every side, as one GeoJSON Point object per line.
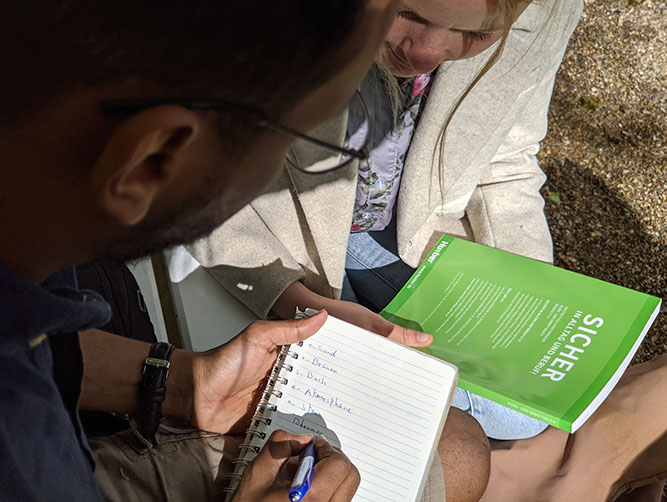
{"type": "Point", "coordinates": [510, 10]}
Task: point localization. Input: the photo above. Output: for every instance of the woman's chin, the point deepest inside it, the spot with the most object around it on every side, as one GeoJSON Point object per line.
{"type": "Point", "coordinates": [404, 74]}
{"type": "Point", "coordinates": [401, 71]}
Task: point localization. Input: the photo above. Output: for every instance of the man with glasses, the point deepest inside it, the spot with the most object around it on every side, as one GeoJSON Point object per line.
{"type": "Point", "coordinates": [331, 156]}
{"type": "Point", "coordinates": [91, 169]}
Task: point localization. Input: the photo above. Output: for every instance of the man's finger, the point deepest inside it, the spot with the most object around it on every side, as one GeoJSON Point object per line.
{"type": "Point", "coordinates": [348, 487]}
{"type": "Point", "coordinates": [324, 449]}
{"type": "Point", "coordinates": [335, 479]}
{"type": "Point", "coordinates": [288, 332]}
{"type": "Point", "coordinates": [280, 446]}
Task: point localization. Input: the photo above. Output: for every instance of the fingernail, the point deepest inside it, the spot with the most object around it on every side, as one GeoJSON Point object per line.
{"type": "Point", "coordinates": [423, 337]}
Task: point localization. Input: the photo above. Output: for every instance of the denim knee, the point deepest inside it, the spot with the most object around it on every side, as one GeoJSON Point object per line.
{"type": "Point", "coordinates": [498, 422]}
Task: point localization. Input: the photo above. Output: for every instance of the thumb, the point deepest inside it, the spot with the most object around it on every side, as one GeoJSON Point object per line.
{"type": "Point", "coordinates": [410, 337]}
{"type": "Point", "coordinates": [405, 336]}
{"type": "Point", "coordinates": [291, 331]}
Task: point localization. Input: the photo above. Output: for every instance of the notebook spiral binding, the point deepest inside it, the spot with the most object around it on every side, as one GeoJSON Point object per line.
{"type": "Point", "coordinates": [259, 422]}
{"type": "Point", "coordinates": [248, 450]}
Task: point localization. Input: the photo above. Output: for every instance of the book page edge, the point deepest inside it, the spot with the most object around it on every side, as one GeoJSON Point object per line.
{"type": "Point", "coordinates": [613, 381]}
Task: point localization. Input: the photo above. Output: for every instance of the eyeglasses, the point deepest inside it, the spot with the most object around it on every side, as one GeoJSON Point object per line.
{"type": "Point", "coordinates": [323, 158]}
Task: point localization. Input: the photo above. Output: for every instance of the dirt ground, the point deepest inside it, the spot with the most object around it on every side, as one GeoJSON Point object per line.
{"type": "Point", "coordinates": [606, 153]}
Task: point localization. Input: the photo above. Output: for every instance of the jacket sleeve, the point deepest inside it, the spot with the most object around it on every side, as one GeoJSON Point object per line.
{"type": "Point", "coordinates": [269, 244]}
{"type": "Point", "coordinates": [506, 209]}
{"type": "Point", "coordinates": [246, 258]}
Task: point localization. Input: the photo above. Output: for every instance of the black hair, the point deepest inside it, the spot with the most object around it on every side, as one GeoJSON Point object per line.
{"type": "Point", "coordinates": [262, 53]}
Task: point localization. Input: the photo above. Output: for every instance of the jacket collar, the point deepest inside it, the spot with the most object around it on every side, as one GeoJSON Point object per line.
{"type": "Point", "coordinates": [29, 311]}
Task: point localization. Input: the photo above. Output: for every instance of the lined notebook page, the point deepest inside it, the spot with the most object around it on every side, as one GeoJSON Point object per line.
{"type": "Point", "coordinates": [382, 403]}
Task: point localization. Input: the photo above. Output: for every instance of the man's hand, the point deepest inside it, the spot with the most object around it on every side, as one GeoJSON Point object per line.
{"type": "Point", "coordinates": [269, 476]}
{"type": "Point", "coordinates": [217, 390]}
{"type": "Point", "coordinates": [297, 295]}
{"type": "Point", "coordinates": [227, 381]}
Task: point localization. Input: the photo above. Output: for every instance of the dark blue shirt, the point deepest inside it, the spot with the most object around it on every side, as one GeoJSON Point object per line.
{"type": "Point", "coordinates": [43, 452]}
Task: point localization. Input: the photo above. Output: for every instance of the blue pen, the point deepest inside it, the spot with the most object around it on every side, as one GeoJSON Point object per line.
{"type": "Point", "coordinates": [304, 474]}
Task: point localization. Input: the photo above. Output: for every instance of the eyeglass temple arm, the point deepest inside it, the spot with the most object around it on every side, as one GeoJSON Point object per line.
{"type": "Point", "coordinates": [361, 153]}
{"type": "Point", "coordinates": [358, 154]}
{"type": "Point", "coordinates": [118, 107]}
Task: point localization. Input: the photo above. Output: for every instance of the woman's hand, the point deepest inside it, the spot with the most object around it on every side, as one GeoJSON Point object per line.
{"type": "Point", "coordinates": [269, 476]}
{"type": "Point", "coordinates": [297, 295]}
{"type": "Point", "coordinates": [360, 316]}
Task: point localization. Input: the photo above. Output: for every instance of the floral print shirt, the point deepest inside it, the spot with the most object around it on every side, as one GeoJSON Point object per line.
{"type": "Point", "coordinates": [380, 175]}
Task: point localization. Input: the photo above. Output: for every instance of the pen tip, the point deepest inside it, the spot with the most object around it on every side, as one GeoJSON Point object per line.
{"type": "Point", "coordinates": [295, 497]}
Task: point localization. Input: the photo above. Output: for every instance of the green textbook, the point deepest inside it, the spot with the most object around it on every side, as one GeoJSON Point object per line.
{"type": "Point", "coordinates": [542, 340]}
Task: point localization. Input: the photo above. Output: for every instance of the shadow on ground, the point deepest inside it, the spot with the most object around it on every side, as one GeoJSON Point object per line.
{"type": "Point", "coordinates": [597, 234]}
{"type": "Point", "coordinates": [606, 153]}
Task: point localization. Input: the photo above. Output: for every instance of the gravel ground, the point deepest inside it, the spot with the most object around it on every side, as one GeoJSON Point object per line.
{"type": "Point", "coordinates": [606, 153]}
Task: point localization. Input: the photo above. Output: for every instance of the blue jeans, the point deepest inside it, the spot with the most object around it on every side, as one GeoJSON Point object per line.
{"type": "Point", "coordinates": [373, 276]}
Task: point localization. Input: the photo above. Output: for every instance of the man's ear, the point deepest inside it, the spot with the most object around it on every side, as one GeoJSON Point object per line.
{"type": "Point", "coordinates": [140, 157]}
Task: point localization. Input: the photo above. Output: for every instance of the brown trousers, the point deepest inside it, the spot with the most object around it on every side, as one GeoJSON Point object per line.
{"type": "Point", "coordinates": [185, 465]}
{"type": "Point", "coordinates": [621, 447]}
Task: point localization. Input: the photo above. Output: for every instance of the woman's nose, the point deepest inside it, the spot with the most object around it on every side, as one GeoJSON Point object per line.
{"type": "Point", "coordinates": [423, 55]}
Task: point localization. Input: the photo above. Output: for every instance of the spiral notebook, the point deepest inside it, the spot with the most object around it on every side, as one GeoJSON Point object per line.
{"type": "Point", "coordinates": [382, 403]}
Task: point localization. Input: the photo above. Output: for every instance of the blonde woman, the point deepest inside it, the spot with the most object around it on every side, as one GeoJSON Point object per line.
{"type": "Point", "coordinates": [452, 152]}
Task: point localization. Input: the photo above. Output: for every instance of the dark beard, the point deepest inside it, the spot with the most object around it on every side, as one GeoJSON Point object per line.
{"type": "Point", "coordinates": [197, 218]}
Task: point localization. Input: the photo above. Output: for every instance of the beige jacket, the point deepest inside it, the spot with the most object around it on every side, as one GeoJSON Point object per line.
{"type": "Point", "coordinates": [298, 229]}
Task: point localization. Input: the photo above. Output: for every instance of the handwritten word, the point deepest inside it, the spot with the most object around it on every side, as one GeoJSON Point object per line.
{"type": "Point", "coordinates": [323, 365]}
{"type": "Point", "coordinates": [333, 402]}
{"type": "Point", "coordinates": [302, 423]}
{"type": "Point", "coordinates": [311, 376]}
{"type": "Point", "coordinates": [323, 350]}
{"type": "Point", "coordinates": [319, 379]}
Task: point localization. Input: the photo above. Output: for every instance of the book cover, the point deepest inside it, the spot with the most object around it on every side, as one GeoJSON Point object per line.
{"type": "Point", "coordinates": [545, 341]}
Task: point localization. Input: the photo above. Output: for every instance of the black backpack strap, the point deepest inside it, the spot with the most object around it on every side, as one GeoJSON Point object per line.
{"type": "Point", "coordinates": [116, 284]}
{"type": "Point", "coordinates": [119, 288]}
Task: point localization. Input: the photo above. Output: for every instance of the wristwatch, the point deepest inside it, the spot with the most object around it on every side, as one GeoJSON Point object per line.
{"type": "Point", "coordinates": [152, 389]}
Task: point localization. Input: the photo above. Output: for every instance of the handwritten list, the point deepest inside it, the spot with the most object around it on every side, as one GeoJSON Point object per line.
{"type": "Point", "coordinates": [382, 403]}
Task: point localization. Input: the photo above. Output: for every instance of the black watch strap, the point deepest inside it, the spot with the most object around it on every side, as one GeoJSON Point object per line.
{"type": "Point", "coordinates": [152, 389]}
